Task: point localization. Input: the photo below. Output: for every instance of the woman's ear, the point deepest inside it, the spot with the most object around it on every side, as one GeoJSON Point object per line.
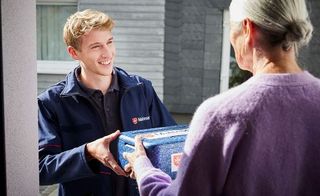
{"type": "Point", "coordinates": [249, 32]}
{"type": "Point", "coordinates": [73, 52]}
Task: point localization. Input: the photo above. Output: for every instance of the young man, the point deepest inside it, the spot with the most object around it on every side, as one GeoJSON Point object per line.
{"type": "Point", "coordinates": [79, 116]}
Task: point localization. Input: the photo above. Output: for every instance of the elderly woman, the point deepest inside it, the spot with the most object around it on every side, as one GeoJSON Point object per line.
{"type": "Point", "coordinates": [262, 137]}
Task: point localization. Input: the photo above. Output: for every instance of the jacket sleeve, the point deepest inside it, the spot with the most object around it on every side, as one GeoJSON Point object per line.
{"type": "Point", "coordinates": [160, 115]}
{"type": "Point", "coordinates": [56, 165]}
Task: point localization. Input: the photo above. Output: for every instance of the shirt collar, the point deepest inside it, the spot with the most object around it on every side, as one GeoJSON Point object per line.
{"type": "Point", "coordinates": [114, 82]}
{"type": "Point", "coordinates": [113, 86]}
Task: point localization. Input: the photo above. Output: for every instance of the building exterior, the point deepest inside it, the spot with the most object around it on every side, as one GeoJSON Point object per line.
{"type": "Point", "coordinates": [193, 52]}
{"type": "Point", "coordinates": [182, 46]}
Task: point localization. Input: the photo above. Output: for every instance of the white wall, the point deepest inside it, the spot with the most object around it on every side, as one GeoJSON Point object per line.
{"type": "Point", "coordinates": [18, 20]}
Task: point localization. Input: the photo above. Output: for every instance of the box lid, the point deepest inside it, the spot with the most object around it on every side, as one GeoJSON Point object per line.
{"type": "Point", "coordinates": [156, 136]}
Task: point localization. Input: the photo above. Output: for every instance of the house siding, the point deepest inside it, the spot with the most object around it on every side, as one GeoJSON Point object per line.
{"type": "Point", "coordinates": [138, 34]}
{"type": "Point", "coordinates": [47, 80]}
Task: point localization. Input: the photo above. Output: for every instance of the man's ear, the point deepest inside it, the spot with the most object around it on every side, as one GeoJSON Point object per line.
{"type": "Point", "coordinates": [73, 52]}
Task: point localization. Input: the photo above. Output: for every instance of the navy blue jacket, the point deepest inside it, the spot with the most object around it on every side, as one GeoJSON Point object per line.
{"type": "Point", "coordinates": [67, 121]}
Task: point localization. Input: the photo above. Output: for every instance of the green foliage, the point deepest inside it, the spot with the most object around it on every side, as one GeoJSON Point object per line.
{"type": "Point", "coordinates": [237, 75]}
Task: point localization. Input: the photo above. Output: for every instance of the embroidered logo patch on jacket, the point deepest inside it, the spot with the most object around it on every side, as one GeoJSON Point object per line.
{"type": "Point", "coordinates": [136, 120]}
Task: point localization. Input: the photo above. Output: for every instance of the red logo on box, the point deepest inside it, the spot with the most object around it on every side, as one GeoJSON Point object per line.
{"type": "Point", "coordinates": [175, 161]}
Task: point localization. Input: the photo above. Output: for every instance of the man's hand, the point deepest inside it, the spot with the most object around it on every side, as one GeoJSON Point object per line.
{"type": "Point", "coordinates": [131, 157]}
{"type": "Point", "coordinates": [100, 150]}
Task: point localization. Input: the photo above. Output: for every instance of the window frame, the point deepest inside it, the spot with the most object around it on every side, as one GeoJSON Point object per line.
{"type": "Point", "coordinates": [226, 48]}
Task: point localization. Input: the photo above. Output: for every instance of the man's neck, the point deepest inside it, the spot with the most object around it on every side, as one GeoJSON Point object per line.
{"type": "Point", "coordinates": [95, 81]}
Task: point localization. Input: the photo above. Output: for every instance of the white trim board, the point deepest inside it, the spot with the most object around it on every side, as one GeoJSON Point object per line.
{"type": "Point", "coordinates": [225, 62]}
{"type": "Point", "coordinates": [55, 67]}
{"type": "Point", "coordinates": [56, 2]}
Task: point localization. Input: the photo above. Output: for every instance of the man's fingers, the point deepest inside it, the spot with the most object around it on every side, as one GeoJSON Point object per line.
{"type": "Point", "coordinates": [132, 175]}
{"type": "Point", "coordinates": [113, 135]}
{"type": "Point", "coordinates": [116, 168]}
{"type": "Point", "coordinates": [110, 162]}
{"type": "Point", "coordinates": [127, 168]}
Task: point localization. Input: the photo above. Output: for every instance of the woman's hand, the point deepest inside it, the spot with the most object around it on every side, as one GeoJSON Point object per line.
{"type": "Point", "coordinates": [132, 157]}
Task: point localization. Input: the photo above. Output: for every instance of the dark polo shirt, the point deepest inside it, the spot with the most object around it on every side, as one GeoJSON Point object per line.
{"type": "Point", "coordinates": [108, 107]}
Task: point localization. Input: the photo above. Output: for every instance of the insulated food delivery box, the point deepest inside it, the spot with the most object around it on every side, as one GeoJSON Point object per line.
{"type": "Point", "coordinates": [164, 146]}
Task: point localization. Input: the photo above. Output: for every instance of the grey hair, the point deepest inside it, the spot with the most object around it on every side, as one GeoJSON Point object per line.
{"type": "Point", "coordinates": [284, 22]}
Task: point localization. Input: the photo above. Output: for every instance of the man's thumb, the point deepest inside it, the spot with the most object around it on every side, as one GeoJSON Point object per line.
{"type": "Point", "coordinates": [113, 135]}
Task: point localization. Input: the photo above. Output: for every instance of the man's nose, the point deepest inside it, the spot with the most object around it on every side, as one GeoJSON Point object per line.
{"type": "Point", "coordinates": [107, 51]}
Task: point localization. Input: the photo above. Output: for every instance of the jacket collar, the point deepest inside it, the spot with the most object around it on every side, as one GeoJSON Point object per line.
{"type": "Point", "coordinates": [126, 81]}
{"type": "Point", "coordinates": [72, 86]}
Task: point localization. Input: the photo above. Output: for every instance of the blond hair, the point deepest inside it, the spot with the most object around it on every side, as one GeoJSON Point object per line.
{"type": "Point", "coordinates": [284, 22]}
{"type": "Point", "coordinates": [82, 22]}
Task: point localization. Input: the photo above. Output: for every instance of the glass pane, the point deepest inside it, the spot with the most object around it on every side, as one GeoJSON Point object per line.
{"type": "Point", "coordinates": [50, 22]}
{"type": "Point", "coordinates": [237, 75]}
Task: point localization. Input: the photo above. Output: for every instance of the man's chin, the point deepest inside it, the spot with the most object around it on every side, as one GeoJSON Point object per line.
{"type": "Point", "coordinates": [107, 71]}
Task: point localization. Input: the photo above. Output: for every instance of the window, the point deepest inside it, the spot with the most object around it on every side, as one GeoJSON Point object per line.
{"type": "Point", "coordinates": [51, 51]}
{"type": "Point", "coordinates": [237, 75]}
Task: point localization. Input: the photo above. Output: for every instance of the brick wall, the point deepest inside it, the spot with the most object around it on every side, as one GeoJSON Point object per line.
{"type": "Point", "coordinates": [309, 56]}
{"type": "Point", "coordinates": [193, 47]}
